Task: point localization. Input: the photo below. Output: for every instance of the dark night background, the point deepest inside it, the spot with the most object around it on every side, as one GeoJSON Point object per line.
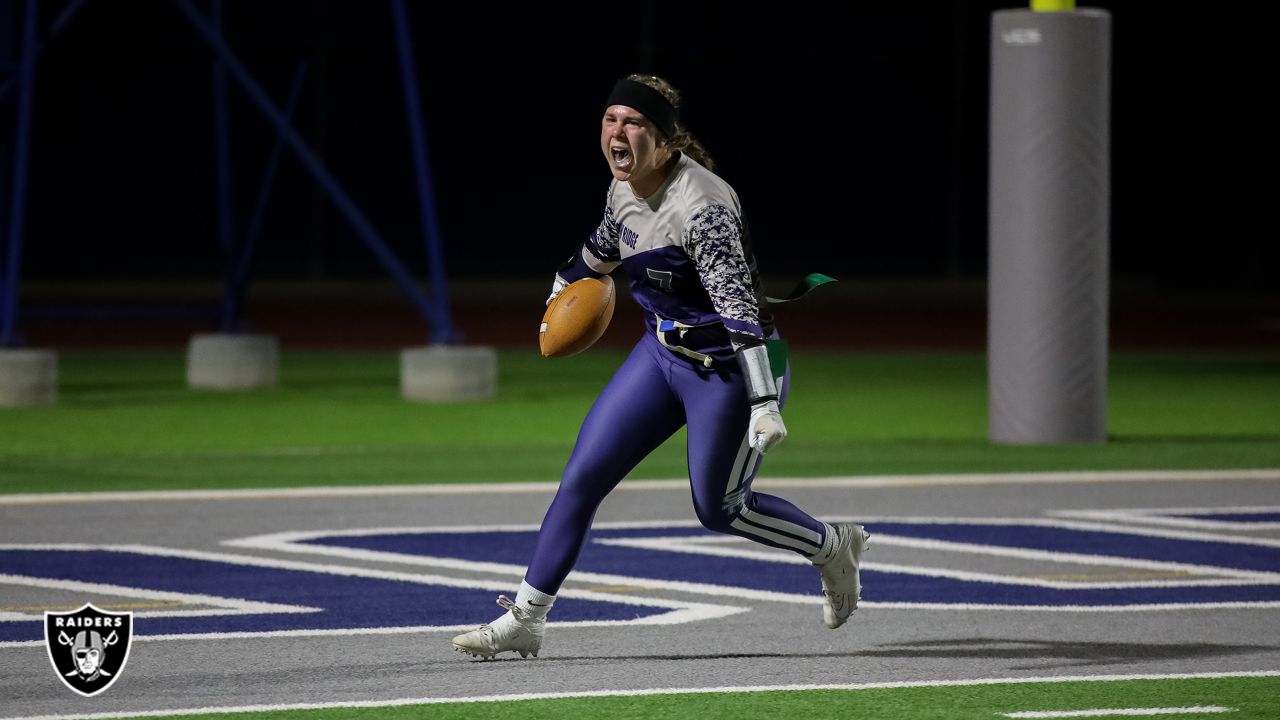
{"type": "Point", "coordinates": [856, 136]}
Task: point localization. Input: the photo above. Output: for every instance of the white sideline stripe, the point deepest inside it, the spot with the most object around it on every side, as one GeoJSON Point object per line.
{"type": "Point", "coordinates": [867, 481]}
{"type": "Point", "coordinates": [401, 702]}
{"type": "Point", "coordinates": [1119, 712]}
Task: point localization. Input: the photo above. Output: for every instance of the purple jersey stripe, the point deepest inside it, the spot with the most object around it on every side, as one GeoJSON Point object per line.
{"type": "Point", "coordinates": [744, 328]}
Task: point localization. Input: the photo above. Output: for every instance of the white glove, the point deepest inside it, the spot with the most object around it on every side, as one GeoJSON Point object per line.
{"type": "Point", "coordinates": [765, 428]}
{"type": "Point", "coordinates": [559, 284]}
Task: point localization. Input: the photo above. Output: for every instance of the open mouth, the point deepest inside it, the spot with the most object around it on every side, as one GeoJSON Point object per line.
{"type": "Point", "coordinates": [621, 157]}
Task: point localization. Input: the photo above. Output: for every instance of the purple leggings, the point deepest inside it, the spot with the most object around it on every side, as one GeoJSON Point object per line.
{"type": "Point", "coordinates": [650, 397]}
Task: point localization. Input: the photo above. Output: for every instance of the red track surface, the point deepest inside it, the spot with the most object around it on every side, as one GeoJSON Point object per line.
{"type": "Point", "coordinates": [506, 315]}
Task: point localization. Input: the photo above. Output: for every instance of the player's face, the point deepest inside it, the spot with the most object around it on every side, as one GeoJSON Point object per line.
{"type": "Point", "coordinates": [630, 145]}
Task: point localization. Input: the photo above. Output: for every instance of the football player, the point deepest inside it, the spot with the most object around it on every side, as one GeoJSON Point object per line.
{"type": "Point", "coordinates": [677, 231]}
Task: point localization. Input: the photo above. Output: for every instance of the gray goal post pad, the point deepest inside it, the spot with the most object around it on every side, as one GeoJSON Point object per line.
{"type": "Point", "coordinates": [1049, 206]}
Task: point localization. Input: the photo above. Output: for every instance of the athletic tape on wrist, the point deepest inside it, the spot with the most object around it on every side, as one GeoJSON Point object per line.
{"type": "Point", "coordinates": [754, 362]}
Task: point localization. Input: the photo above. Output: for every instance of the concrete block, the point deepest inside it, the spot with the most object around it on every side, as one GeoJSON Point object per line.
{"type": "Point", "coordinates": [28, 377]}
{"type": "Point", "coordinates": [446, 373]}
{"type": "Point", "coordinates": [232, 362]}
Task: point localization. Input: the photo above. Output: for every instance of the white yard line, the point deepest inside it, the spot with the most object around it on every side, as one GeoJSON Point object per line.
{"type": "Point", "coordinates": [1119, 712]}
{"type": "Point", "coordinates": [400, 702]}
{"type": "Point", "coordinates": [868, 481]}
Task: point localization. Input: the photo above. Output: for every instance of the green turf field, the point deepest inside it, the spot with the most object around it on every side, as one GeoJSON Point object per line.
{"type": "Point", "coordinates": [126, 421]}
{"type": "Point", "coordinates": [1238, 698]}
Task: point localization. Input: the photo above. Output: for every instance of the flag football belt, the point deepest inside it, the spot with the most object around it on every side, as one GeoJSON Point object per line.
{"type": "Point", "coordinates": [666, 326]}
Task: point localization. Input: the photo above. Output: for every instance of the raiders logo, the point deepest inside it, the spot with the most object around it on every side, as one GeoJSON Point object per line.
{"type": "Point", "coordinates": [88, 647]}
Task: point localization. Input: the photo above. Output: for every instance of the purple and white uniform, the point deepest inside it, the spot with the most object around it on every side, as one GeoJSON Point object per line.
{"type": "Point", "coordinates": [686, 254]}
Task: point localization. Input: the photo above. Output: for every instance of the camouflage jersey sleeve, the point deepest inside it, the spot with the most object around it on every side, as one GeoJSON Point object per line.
{"type": "Point", "coordinates": [599, 255]}
{"type": "Point", "coordinates": [713, 240]}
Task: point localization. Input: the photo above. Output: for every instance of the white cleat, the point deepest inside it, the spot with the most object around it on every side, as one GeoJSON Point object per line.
{"type": "Point", "coordinates": [516, 631]}
{"type": "Point", "coordinates": [841, 585]}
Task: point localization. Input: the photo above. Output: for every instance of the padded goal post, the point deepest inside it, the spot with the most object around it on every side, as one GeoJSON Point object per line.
{"type": "Point", "coordinates": [1049, 211]}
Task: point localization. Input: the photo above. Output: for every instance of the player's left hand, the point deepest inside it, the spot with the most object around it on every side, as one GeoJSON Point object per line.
{"type": "Point", "coordinates": [765, 428]}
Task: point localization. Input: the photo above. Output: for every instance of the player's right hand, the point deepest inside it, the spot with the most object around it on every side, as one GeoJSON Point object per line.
{"type": "Point", "coordinates": [559, 284]}
{"type": "Point", "coordinates": [765, 428]}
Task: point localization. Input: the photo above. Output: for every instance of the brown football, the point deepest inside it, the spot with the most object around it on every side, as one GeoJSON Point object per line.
{"type": "Point", "coordinates": [577, 317]}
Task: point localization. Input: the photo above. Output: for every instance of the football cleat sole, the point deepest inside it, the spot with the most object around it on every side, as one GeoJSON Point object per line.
{"type": "Point", "coordinates": [465, 651]}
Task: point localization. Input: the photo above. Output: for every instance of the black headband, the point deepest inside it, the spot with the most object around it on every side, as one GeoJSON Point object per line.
{"type": "Point", "coordinates": [647, 101]}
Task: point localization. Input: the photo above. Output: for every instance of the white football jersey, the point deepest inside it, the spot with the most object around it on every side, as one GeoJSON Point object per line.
{"type": "Point", "coordinates": [687, 256]}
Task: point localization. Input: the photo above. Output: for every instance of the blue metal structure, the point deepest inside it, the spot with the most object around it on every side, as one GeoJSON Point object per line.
{"type": "Point", "coordinates": [25, 74]}
{"type": "Point", "coordinates": [222, 173]}
{"type": "Point", "coordinates": [421, 166]}
{"type": "Point", "coordinates": [237, 256]}
{"type": "Point", "coordinates": [241, 263]}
